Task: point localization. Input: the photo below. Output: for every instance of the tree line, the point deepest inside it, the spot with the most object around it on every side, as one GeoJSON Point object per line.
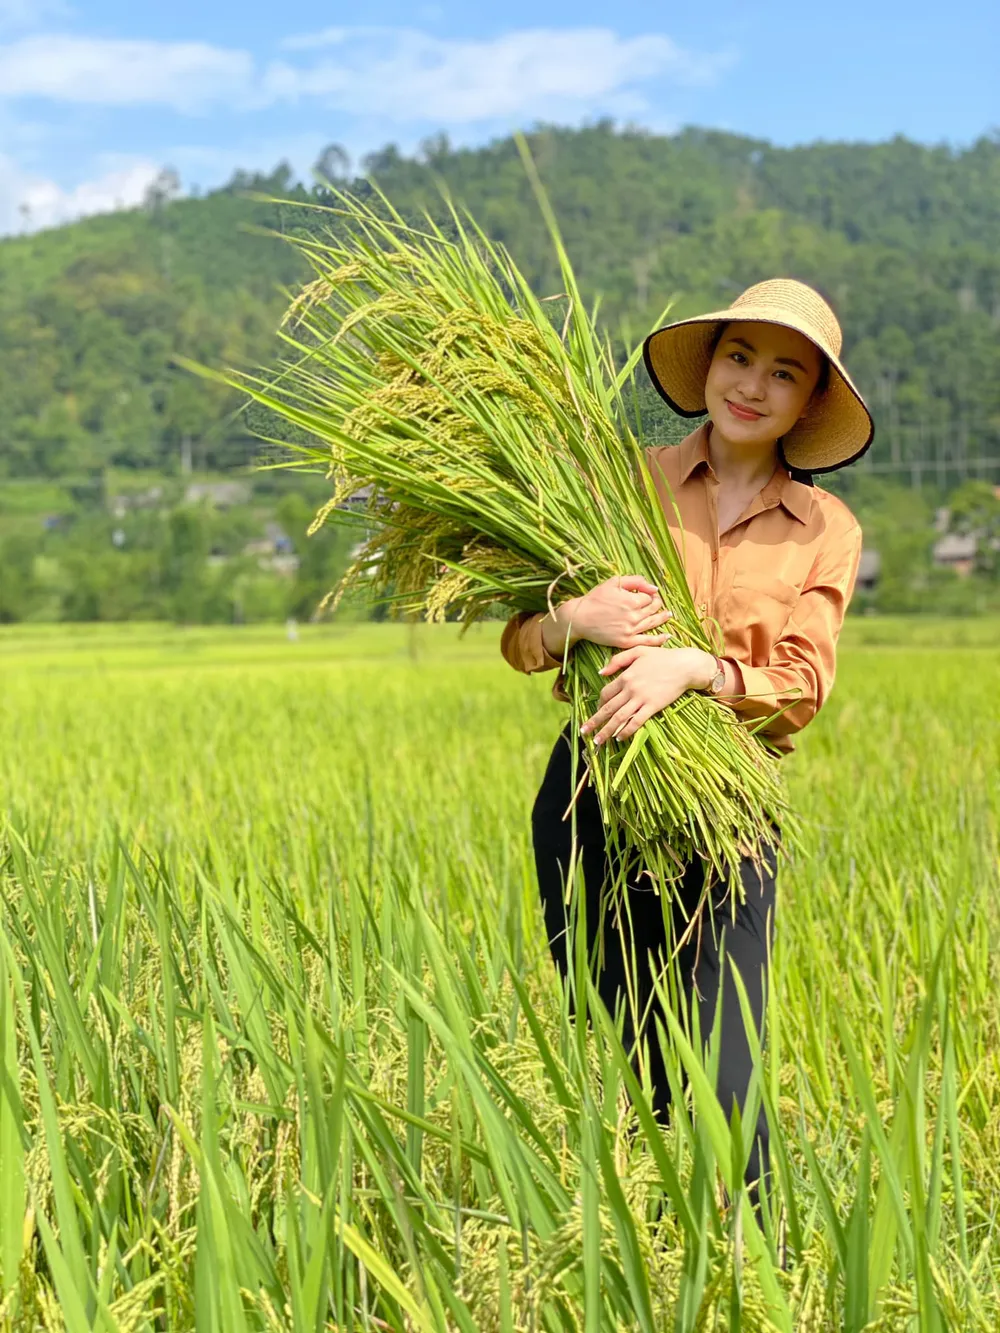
{"type": "Point", "coordinates": [899, 236]}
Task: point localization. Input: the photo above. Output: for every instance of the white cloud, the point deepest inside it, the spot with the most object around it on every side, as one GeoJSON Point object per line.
{"type": "Point", "coordinates": [381, 82]}
{"type": "Point", "coordinates": [104, 72]}
{"type": "Point", "coordinates": [398, 75]}
{"type": "Point", "coordinates": [29, 201]}
{"type": "Point", "coordinates": [405, 75]}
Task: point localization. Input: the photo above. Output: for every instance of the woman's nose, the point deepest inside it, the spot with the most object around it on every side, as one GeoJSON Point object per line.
{"type": "Point", "coordinates": [754, 384]}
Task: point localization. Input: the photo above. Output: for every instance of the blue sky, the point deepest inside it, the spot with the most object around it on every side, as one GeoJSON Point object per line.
{"type": "Point", "coordinates": [96, 97]}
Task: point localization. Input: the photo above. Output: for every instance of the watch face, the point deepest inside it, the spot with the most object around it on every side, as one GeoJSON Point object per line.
{"type": "Point", "coordinates": [718, 680]}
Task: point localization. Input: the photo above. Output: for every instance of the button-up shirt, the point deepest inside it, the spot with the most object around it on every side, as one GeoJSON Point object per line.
{"type": "Point", "coordinates": [777, 582]}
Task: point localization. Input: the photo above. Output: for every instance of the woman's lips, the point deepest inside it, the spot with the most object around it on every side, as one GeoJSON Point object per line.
{"type": "Point", "coordinates": [744, 413]}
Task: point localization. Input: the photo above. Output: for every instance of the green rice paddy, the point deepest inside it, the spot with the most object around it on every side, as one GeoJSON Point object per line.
{"type": "Point", "coordinates": [281, 1047]}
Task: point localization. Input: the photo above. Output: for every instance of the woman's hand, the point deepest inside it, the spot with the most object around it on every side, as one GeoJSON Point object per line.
{"type": "Point", "coordinates": [651, 679]}
{"type": "Point", "coordinates": [616, 613]}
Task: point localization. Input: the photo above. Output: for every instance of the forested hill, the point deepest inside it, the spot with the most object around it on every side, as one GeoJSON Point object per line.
{"type": "Point", "coordinates": [902, 238]}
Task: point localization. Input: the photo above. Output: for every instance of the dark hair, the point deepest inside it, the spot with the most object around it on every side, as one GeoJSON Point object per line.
{"type": "Point", "coordinates": [822, 384]}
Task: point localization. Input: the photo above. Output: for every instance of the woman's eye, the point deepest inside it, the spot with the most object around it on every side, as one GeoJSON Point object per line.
{"type": "Point", "coordinates": [738, 357]}
{"type": "Point", "coordinates": [786, 375]}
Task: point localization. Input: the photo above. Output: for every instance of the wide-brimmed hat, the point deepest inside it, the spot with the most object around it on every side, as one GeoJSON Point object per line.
{"type": "Point", "coordinates": [835, 429]}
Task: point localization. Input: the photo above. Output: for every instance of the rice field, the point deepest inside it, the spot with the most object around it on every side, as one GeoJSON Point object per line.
{"type": "Point", "coordinates": [282, 1049]}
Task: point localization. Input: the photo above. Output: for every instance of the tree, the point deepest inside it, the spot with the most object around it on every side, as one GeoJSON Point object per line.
{"type": "Point", "coordinates": [975, 512]}
{"type": "Point", "coordinates": [17, 556]}
{"type": "Point", "coordinates": [333, 164]}
{"type": "Point", "coordinates": [435, 149]}
{"type": "Point", "coordinates": [162, 190]}
{"type": "Point", "coordinates": [382, 160]}
{"type": "Point", "coordinates": [896, 522]}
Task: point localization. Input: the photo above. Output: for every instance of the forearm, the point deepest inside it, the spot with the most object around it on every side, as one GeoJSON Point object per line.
{"type": "Point", "coordinates": [699, 668]}
{"type": "Point", "coordinates": [557, 629]}
{"type": "Point", "coordinates": [648, 680]}
{"type": "Point", "coordinates": [704, 667]}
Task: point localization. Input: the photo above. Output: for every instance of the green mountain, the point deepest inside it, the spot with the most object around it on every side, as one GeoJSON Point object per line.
{"type": "Point", "coordinates": [902, 238]}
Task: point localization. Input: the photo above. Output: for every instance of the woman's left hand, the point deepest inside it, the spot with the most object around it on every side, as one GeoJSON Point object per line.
{"type": "Point", "coordinates": [651, 679]}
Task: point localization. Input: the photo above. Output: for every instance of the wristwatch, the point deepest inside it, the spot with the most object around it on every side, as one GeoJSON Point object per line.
{"type": "Point", "coordinates": [715, 685]}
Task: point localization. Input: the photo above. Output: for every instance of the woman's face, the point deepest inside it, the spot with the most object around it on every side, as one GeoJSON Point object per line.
{"type": "Point", "coordinates": [760, 382]}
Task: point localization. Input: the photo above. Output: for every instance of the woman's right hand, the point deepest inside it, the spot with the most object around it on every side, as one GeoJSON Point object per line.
{"type": "Point", "coordinates": [617, 613]}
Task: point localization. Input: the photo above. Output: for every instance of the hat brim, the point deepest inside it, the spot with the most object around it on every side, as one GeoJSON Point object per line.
{"type": "Point", "coordinates": [836, 428]}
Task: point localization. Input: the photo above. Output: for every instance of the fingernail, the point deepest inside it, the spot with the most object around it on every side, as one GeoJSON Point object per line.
{"type": "Point", "coordinates": [598, 741]}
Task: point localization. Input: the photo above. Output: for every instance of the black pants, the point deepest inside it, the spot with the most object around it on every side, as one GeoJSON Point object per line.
{"type": "Point", "coordinates": [746, 939]}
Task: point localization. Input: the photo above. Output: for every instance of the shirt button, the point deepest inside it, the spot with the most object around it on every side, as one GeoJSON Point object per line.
{"type": "Point", "coordinates": [715, 555]}
{"type": "Point", "coordinates": [704, 607]}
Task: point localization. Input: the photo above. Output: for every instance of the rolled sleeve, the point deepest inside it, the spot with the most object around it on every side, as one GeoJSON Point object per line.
{"type": "Point", "coordinates": [522, 646]}
{"type": "Point", "coordinates": [799, 673]}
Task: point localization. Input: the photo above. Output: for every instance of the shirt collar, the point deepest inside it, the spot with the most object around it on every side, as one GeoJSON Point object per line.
{"type": "Point", "coordinates": [693, 451]}
{"type": "Point", "coordinates": [795, 496]}
{"type": "Point", "coordinates": [781, 489]}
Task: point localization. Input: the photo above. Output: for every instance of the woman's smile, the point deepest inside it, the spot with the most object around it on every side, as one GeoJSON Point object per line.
{"type": "Point", "coordinates": [743, 413]}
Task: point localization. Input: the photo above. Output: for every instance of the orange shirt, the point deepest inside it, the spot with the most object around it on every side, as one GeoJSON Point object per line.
{"type": "Point", "coordinates": [777, 581]}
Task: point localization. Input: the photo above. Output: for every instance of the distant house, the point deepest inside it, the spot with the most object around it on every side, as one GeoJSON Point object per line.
{"type": "Point", "coordinates": [147, 499]}
{"type": "Point", "coordinates": [285, 565]}
{"type": "Point", "coordinates": [279, 539]}
{"type": "Point", "coordinates": [223, 494]}
{"type": "Point", "coordinates": [358, 500]}
{"type": "Point", "coordinates": [274, 551]}
{"type": "Point", "coordinates": [957, 551]}
{"type": "Point", "coordinates": [869, 568]}
{"type": "Point", "coordinates": [259, 546]}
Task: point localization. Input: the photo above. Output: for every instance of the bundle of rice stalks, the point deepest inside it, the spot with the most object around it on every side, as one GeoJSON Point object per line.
{"type": "Point", "coordinates": [499, 466]}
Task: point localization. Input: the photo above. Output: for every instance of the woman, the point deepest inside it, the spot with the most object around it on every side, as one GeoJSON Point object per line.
{"type": "Point", "coordinates": [772, 559]}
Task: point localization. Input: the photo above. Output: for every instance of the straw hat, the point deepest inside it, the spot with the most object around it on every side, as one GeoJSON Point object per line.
{"type": "Point", "coordinates": [835, 429]}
